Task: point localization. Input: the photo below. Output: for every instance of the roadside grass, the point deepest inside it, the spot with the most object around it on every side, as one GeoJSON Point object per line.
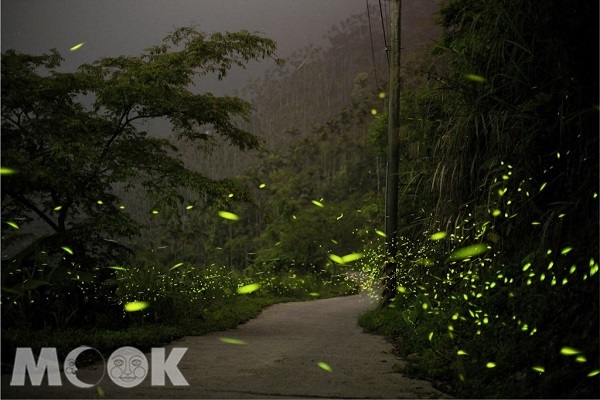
{"type": "Point", "coordinates": [486, 363]}
{"type": "Point", "coordinates": [220, 314]}
{"type": "Point", "coordinates": [412, 343]}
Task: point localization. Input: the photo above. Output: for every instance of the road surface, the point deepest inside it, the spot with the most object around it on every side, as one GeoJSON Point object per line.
{"type": "Point", "coordinates": [275, 355]}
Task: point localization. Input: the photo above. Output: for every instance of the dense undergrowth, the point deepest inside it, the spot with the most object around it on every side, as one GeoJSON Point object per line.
{"type": "Point", "coordinates": [498, 256]}
{"type": "Point", "coordinates": [480, 328]}
{"type": "Point", "coordinates": [179, 304]}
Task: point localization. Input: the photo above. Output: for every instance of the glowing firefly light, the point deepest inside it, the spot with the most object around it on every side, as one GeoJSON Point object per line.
{"type": "Point", "coordinates": [136, 306]}
{"type": "Point", "coordinates": [324, 366]}
{"type": "Point", "coordinates": [228, 215]}
{"type": "Point", "coordinates": [77, 46]}
{"type": "Point", "coordinates": [248, 288]}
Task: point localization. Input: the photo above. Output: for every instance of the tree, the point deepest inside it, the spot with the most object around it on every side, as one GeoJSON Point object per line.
{"type": "Point", "coordinates": [70, 138]}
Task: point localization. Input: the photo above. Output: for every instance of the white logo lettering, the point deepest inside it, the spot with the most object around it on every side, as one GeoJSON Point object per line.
{"type": "Point", "coordinates": [71, 368]}
{"type": "Point", "coordinates": [127, 367]}
{"type": "Point", "coordinates": [160, 367]}
{"type": "Point", "coordinates": [24, 361]}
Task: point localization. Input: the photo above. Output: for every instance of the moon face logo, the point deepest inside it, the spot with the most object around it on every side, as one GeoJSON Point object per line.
{"type": "Point", "coordinates": [127, 367]}
{"type": "Point", "coordinates": [70, 367]}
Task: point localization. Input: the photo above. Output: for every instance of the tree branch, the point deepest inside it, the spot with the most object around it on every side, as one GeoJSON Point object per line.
{"type": "Point", "coordinates": [118, 131]}
{"type": "Point", "coordinates": [33, 208]}
{"type": "Point", "coordinates": [16, 123]}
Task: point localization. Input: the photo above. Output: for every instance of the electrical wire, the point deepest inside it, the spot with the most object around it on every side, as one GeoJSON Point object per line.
{"type": "Point", "coordinates": [387, 47]}
{"type": "Point", "coordinates": [372, 47]}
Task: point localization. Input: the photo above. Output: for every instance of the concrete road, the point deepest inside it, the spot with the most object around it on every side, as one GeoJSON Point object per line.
{"type": "Point", "coordinates": [277, 356]}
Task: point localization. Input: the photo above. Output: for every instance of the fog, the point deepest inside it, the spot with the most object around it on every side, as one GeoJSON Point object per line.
{"type": "Point", "coordinates": [116, 27]}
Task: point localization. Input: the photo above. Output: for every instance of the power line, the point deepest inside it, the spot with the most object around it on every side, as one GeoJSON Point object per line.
{"type": "Point", "coordinates": [372, 47]}
{"type": "Point", "coordinates": [387, 47]}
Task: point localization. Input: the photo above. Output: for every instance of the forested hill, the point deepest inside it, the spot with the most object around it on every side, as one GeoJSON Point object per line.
{"type": "Point", "coordinates": [315, 83]}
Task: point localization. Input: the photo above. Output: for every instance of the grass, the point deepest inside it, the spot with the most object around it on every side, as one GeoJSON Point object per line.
{"type": "Point", "coordinates": [224, 313]}
{"type": "Point", "coordinates": [424, 361]}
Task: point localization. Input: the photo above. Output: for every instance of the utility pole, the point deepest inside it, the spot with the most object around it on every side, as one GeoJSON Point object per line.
{"type": "Point", "coordinates": [391, 187]}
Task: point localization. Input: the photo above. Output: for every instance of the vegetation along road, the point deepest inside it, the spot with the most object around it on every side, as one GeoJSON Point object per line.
{"type": "Point", "coordinates": [303, 349]}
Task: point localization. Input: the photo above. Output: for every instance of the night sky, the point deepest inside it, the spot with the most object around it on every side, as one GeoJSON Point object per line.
{"type": "Point", "coordinates": [118, 27]}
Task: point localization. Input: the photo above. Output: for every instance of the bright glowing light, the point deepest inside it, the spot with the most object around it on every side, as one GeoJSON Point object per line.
{"type": "Point", "coordinates": [136, 306]}
{"type": "Point", "coordinates": [248, 288]}
{"type": "Point", "coordinates": [324, 366]}
{"type": "Point", "coordinates": [77, 46]}
{"type": "Point", "coordinates": [228, 215]}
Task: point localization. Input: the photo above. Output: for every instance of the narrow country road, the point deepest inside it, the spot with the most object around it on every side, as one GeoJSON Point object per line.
{"type": "Point", "coordinates": [279, 359]}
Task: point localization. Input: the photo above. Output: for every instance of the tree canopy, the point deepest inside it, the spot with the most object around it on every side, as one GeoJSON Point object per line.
{"type": "Point", "coordinates": [69, 137]}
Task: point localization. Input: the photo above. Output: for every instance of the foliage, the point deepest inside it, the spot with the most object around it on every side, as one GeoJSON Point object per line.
{"type": "Point", "coordinates": [281, 227]}
{"type": "Point", "coordinates": [71, 138]}
{"type": "Point", "coordinates": [103, 177]}
{"type": "Point", "coordinates": [173, 312]}
{"type": "Point", "coordinates": [499, 258]}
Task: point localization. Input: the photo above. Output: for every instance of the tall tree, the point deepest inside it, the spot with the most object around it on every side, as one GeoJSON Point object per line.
{"type": "Point", "coordinates": [71, 137]}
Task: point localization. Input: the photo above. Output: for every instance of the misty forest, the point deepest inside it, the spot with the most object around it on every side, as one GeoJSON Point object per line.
{"type": "Point", "coordinates": [138, 208]}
